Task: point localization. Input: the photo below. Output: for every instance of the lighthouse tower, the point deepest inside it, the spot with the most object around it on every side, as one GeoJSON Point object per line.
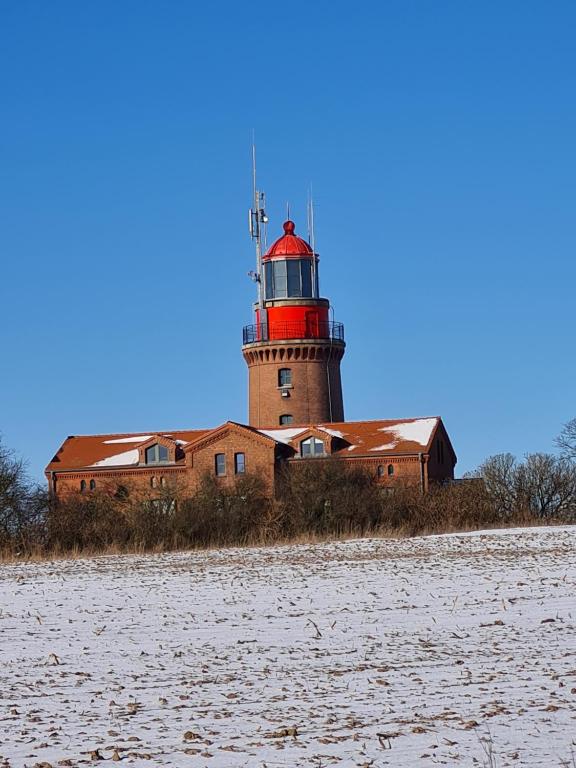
{"type": "Point", "coordinates": [293, 350]}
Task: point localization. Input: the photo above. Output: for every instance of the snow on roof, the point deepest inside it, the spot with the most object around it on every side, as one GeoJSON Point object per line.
{"type": "Point", "coordinates": [333, 432]}
{"type": "Point", "coordinates": [417, 431]}
{"type": "Point", "coordinates": [119, 459]}
{"type": "Point", "coordinates": [283, 435]}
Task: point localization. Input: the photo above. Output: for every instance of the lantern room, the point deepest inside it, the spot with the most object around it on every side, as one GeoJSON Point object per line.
{"type": "Point", "coordinates": [290, 268]}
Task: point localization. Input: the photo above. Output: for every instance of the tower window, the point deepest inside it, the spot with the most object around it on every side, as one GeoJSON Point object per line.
{"type": "Point", "coordinates": [285, 377]}
{"type": "Point", "coordinates": [312, 447]}
{"type": "Point", "coordinates": [390, 470]}
{"type": "Point", "coordinates": [220, 464]}
{"type": "Point", "coordinates": [157, 454]}
{"type": "Point", "coordinates": [286, 418]}
{"type": "Point", "coordinates": [92, 485]}
{"type": "Point", "coordinates": [239, 463]}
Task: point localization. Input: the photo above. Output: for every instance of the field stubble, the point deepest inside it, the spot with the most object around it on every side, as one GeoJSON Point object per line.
{"type": "Point", "coordinates": [445, 650]}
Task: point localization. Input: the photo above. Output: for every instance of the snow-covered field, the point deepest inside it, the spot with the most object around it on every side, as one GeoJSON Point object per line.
{"type": "Point", "coordinates": [420, 652]}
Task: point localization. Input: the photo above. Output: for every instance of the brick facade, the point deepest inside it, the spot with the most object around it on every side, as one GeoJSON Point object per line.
{"type": "Point", "coordinates": [315, 392]}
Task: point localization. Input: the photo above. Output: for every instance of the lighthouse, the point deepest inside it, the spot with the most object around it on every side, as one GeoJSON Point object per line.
{"type": "Point", "coordinates": [293, 349]}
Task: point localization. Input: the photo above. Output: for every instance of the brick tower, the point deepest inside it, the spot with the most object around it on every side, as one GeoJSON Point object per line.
{"type": "Point", "coordinates": [293, 350]}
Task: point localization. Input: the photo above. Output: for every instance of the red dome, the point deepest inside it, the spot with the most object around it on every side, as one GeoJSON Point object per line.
{"type": "Point", "coordinates": [289, 244]}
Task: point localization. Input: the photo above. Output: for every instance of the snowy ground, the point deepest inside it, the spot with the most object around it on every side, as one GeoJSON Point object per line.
{"type": "Point", "coordinates": [418, 652]}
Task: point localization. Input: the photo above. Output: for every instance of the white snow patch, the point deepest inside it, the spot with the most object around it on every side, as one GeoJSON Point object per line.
{"type": "Point", "coordinates": [387, 447]}
{"type": "Point", "coordinates": [333, 432]}
{"type": "Point", "coordinates": [418, 431]}
{"type": "Point", "coordinates": [137, 439]}
{"type": "Point", "coordinates": [119, 459]}
{"type": "Point", "coordinates": [283, 435]}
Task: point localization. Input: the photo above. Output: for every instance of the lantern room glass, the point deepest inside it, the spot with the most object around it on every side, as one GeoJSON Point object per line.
{"type": "Point", "coordinates": [289, 279]}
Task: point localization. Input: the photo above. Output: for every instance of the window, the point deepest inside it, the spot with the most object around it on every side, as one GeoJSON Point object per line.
{"type": "Point", "coordinates": [280, 279]}
{"type": "Point", "coordinates": [157, 454]}
{"type": "Point", "coordinates": [286, 418]}
{"type": "Point", "coordinates": [153, 482]}
{"type": "Point", "coordinates": [288, 278]}
{"type": "Point", "coordinates": [294, 284]}
{"type": "Point", "coordinates": [390, 470]}
{"type": "Point", "coordinates": [82, 486]}
{"type": "Point", "coordinates": [239, 463]}
{"type": "Point", "coordinates": [122, 493]}
{"type": "Point", "coordinates": [312, 447]}
{"type": "Point", "coordinates": [380, 471]}
{"type": "Point", "coordinates": [163, 481]}
{"type": "Point", "coordinates": [285, 377]}
{"type": "Point", "coordinates": [220, 464]}
{"type": "Point", "coordinates": [92, 485]}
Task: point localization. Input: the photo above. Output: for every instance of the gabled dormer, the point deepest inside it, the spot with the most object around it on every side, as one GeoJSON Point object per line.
{"type": "Point", "coordinates": [316, 442]}
{"type": "Point", "coordinates": [159, 451]}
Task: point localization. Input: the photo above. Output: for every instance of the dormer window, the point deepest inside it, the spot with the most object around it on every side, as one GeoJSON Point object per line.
{"type": "Point", "coordinates": [312, 447]}
{"type": "Point", "coordinates": [156, 454]}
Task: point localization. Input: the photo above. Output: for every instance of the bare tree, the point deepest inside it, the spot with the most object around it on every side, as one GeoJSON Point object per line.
{"type": "Point", "coordinates": [22, 505]}
{"type": "Point", "coordinates": [500, 477]}
{"type": "Point", "coordinates": [549, 485]}
{"type": "Point", "coordinates": [566, 440]}
{"type": "Point", "coordinates": [542, 485]}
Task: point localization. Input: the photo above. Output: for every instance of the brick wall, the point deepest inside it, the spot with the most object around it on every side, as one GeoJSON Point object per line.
{"type": "Point", "coordinates": [259, 458]}
{"type": "Point", "coordinates": [315, 395]}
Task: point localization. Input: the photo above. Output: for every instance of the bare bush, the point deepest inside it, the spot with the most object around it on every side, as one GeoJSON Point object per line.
{"type": "Point", "coordinates": [327, 496]}
{"type": "Point", "coordinates": [219, 514]}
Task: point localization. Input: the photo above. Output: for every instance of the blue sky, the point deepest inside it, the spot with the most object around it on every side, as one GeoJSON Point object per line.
{"type": "Point", "coordinates": [439, 140]}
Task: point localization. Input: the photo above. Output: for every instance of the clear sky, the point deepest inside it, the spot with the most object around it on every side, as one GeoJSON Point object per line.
{"type": "Point", "coordinates": [439, 138]}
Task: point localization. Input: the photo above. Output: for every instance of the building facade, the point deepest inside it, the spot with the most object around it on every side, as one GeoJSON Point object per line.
{"type": "Point", "coordinates": [293, 351]}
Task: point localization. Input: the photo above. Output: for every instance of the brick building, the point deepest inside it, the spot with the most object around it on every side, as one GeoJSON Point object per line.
{"type": "Point", "coordinates": [296, 408]}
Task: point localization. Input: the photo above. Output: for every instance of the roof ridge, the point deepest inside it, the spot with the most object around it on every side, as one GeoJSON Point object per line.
{"type": "Point", "coordinates": [373, 421]}
{"type": "Point", "coordinates": [149, 432]}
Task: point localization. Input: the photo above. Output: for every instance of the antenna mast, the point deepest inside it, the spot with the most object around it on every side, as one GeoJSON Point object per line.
{"type": "Point", "coordinates": [257, 223]}
{"type": "Point", "coordinates": [312, 240]}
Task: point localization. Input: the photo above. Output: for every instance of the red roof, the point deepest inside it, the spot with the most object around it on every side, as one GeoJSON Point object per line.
{"type": "Point", "coordinates": [80, 451]}
{"type": "Point", "coordinates": [358, 438]}
{"type": "Point", "coordinates": [289, 244]}
{"type": "Point", "coordinates": [369, 438]}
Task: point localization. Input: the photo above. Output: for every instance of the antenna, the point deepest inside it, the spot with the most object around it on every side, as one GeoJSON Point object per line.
{"type": "Point", "coordinates": [257, 224]}
{"type": "Point", "coordinates": [312, 240]}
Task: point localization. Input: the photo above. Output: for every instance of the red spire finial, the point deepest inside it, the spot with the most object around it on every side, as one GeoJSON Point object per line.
{"type": "Point", "coordinates": [289, 227]}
